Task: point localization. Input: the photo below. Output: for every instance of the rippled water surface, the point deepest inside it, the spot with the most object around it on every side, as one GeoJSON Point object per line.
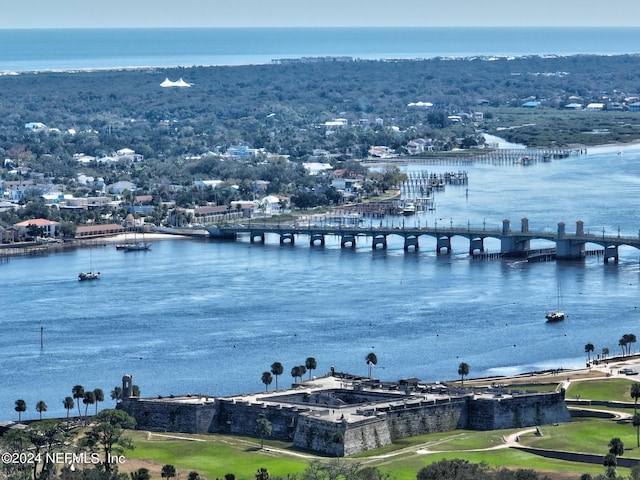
{"type": "Point", "coordinates": [192, 316]}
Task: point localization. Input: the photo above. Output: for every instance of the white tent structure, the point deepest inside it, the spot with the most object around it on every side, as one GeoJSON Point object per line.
{"type": "Point", "coordinates": [180, 83]}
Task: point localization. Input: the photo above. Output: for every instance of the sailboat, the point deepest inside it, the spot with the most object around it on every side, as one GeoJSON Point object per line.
{"type": "Point", "coordinates": [91, 274]}
{"type": "Point", "coordinates": [556, 315]}
{"type": "Point", "coordinates": [135, 246]}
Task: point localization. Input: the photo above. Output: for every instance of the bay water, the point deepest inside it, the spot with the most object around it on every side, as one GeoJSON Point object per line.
{"type": "Point", "coordinates": [196, 316]}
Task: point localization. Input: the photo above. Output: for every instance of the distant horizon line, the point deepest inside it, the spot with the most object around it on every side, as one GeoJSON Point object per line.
{"type": "Point", "coordinates": [334, 27]}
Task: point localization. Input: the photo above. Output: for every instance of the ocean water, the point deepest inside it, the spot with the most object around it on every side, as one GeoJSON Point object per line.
{"type": "Point", "coordinates": [62, 49]}
{"type": "Point", "coordinates": [193, 316]}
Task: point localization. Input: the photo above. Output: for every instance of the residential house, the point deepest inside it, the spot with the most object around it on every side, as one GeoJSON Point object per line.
{"type": "Point", "coordinates": [208, 183]}
{"type": "Point", "coordinates": [314, 168]}
{"type": "Point", "coordinates": [260, 186]}
{"type": "Point", "coordinates": [381, 151]}
{"type": "Point", "coordinates": [531, 104]}
{"type": "Point", "coordinates": [418, 146]}
{"type": "Point", "coordinates": [6, 206]}
{"type": "Point", "coordinates": [120, 187]}
{"type": "Point", "coordinates": [35, 126]}
{"type": "Point", "coordinates": [272, 205]}
{"type": "Point", "coordinates": [241, 151]}
{"type": "Point", "coordinates": [128, 154]}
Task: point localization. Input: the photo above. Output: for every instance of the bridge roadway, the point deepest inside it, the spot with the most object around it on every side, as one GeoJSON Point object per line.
{"type": "Point", "coordinates": [513, 243]}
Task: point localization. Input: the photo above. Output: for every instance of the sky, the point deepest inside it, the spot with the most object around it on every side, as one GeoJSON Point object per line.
{"type": "Point", "coordinates": [315, 13]}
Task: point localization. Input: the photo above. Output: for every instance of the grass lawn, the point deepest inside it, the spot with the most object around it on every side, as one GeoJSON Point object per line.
{"type": "Point", "coordinates": [611, 389]}
{"type": "Point", "coordinates": [213, 456]}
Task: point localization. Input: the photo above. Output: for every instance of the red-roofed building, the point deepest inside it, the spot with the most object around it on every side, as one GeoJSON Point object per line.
{"type": "Point", "coordinates": [48, 228]}
{"type": "Point", "coordinates": [93, 231]}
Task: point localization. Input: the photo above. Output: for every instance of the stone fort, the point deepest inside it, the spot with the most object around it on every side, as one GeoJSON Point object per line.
{"type": "Point", "coordinates": [341, 414]}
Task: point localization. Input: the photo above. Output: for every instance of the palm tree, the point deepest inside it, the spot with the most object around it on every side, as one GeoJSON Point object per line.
{"type": "Point", "coordinates": [605, 352]}
{"type": "Point", "coordinates": [636, 423]}
{"type": "Point", "coordinates": [631, 338]}
{"type": "Point", "coordinates": [622, 343]}
{"type": "Point", "coordinates": [68, 404]}
{"type": "Point", "coordinates": [21, 406]}
{"type": "Point", "coordinates": [168, 471]}
{"type": "Point", "coordinates": [41, 407]}
{"type": "Point", "coordinates": [88, 399]}
{"type": "Point", "coordinates": [295, 372]}
{"type": "Point", "coordinates": [635, 394]}
{"type": "Point", "coordinates": [116, 394]}
{"type": "Point", "coordinates": [588, 348]}
{"type": "Point", "coordinates": [78, 394]}
{"type": "Point", "coordinates": [311, 364]}
{"type": "Point", "coordinates": [277, 369]}
{"type": "Point", "coordinates": [99, 395]}
{"type": "Point", "coordinates": [616, 447]}
{"type": "Point", "coordinates": [371, 360]}
{"type": "Point", "coordinates": [267, 379]}
{"type": "Point", "coordinates": [611, 462]}
{"type": "Point", "coordinates": [463, 369]}
{"type": "Point", "coordinates": [263, 429]}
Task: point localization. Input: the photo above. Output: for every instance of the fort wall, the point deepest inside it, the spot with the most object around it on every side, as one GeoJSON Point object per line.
{"type": "Point", "coordinates": [339, 415]}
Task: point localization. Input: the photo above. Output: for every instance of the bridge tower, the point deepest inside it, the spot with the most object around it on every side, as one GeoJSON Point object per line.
{"type": "Point", "coordinates": [567, 248]}
{"type": "Point", "coordinates": [512, 243]}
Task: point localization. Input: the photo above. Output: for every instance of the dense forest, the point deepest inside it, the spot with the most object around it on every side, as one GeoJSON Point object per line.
{"type": "Point", "coordinates": [279, 107]}
{"type": "Point", "coordinates": [282, 108]}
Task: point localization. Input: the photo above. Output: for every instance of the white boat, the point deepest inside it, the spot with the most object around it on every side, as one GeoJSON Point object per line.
{"type": "Point", "coordinates": [88, 276]}
{"type": "Point", "coordinates": [556, 315]}
{"type": "Point", "coordinates": [91, 274]}
{"type": "Point", "coordinates": [408, 209]}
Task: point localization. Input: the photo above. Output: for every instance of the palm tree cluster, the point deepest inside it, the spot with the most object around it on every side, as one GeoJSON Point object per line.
{"type": "Point", "coordinates": [298, 371]}
{"type": "Point", "coordinates": [625, 343]}
{"type": "Point", "coordinates": [88, 397]}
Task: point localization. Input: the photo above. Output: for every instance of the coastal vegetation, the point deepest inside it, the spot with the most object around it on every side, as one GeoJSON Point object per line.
{"type": "Point", "coordinates": [55, 126]}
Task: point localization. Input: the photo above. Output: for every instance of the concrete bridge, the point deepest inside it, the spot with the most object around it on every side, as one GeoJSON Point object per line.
{"type": "Point", "coordinates": [513, 243]}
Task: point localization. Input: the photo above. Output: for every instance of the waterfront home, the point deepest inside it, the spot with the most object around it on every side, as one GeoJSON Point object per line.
{"type": "Point", "coordinates": [47, 228]}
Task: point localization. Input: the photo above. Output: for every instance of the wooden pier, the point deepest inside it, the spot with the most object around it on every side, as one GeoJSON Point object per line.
{"type": "Point", "coordinates": [502, 156]}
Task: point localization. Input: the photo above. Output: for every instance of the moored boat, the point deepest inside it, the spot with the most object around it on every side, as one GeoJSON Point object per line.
{"type": "Point", "coordinates": [88, 276]}
{"type": "Point", "coordinates": [134, 247]}
{"type": "Point", "coordinates": [555, 316]}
